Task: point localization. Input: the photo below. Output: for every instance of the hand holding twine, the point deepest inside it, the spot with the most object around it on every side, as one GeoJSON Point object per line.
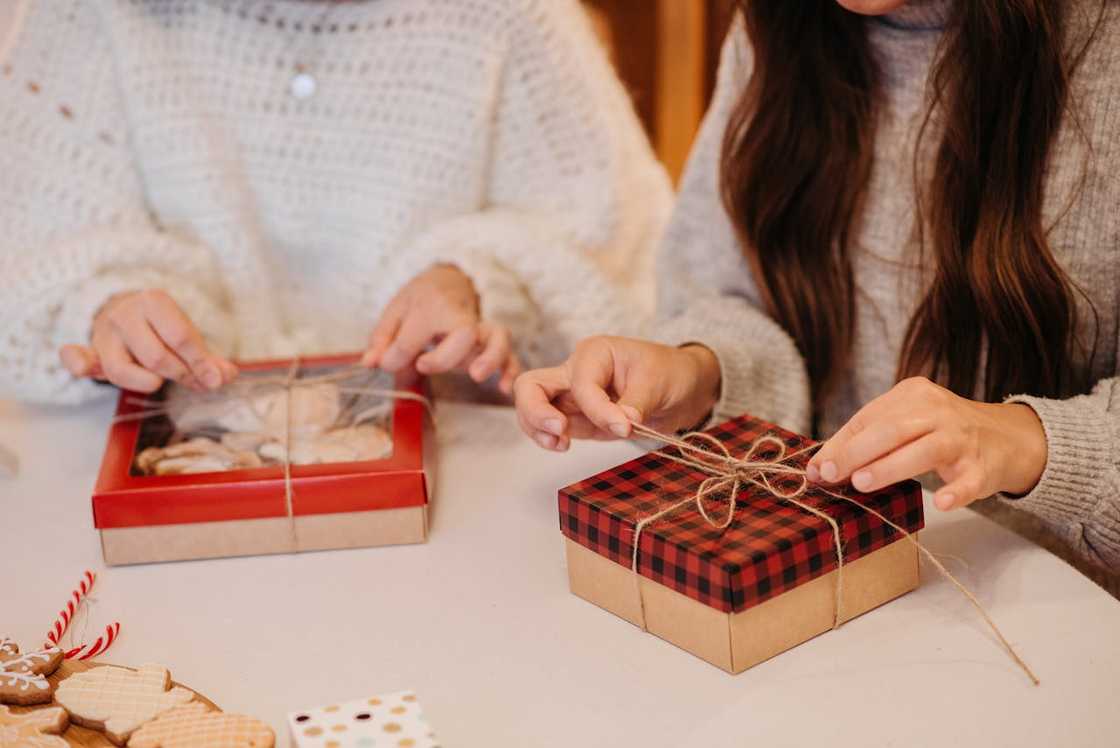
{"type": "Point", "coordinates": [726, 477]}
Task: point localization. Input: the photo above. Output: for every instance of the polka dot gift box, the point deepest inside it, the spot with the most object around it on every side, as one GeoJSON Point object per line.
{"type": "Point", "coordinates": [392, 721]}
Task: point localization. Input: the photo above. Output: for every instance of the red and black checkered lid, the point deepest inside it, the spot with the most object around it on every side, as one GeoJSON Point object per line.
{"type": "Point", "coordinates": [771, 545]}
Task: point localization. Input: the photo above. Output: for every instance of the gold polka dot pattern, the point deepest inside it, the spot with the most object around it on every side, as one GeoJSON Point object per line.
{"type": "Point", "coordinates": [389, 721]}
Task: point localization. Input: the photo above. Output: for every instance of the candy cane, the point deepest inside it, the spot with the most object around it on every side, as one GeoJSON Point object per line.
{"type": "Point", "coordinates": [99, 646]}
{"type": "Point", "coordinates": [62, 622]}
{"type": "Point", "coordinates": [66, 615]}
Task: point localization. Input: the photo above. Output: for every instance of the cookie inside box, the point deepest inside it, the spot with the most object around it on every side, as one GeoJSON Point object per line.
{"type": "Point", "coordinates": [338, 414]}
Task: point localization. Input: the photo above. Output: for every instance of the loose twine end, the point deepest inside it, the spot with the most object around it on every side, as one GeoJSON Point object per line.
{"type": "Point", "coordinates": [727, 475]}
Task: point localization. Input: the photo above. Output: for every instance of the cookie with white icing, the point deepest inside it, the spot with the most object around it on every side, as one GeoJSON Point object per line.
{"type": "Point", "coordinates": [117, 701]}
{"type": "Point", "coordinates": [23, 676]}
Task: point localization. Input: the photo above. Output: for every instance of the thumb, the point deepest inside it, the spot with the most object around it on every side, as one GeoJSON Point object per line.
{"type": "Point", "coordinates": [638, 399]}
{"type": "Point", "coordinates": [80, 361]}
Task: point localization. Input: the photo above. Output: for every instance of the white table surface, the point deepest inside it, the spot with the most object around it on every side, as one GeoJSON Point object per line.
{"type": "Point", "coordinates": [479, 621]}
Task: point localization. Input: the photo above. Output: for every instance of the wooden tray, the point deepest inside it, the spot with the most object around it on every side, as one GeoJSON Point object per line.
{"type": "Point", "coordinates": [82, 736]}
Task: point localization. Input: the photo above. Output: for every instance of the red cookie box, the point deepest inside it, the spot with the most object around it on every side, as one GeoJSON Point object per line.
{"type": "Point", "coordinates": [146, 518]}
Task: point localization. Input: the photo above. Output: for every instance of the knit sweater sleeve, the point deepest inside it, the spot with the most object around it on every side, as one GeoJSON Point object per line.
{"type": "Point", "coordinates": [707, 294]}
{"type": "Point", "coordinates": [561, 246]}
{"type": "Point", "coordinates": [75, 229]}
{"type": "Point", "coordinates": [1078, 495]}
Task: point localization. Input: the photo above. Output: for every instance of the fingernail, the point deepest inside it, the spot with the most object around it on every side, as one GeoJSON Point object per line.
{"type": "Point", "coordinates": [861, 479]}
{"type": "Point", "coordinates": [829, 471]}
{"type": "Point", "coordinates": [548, 441]}
{"type": "Point", "coordinates": [621, 430]}
{"type": "Point", "coordinates": [211, 377]}
{"type": "Point", "coordinates": [554, 426]}
{"type": "Point", "coordinates": [631, 413]}
{"type": "Point", "coordinates": [945, 501]}
{"type": "Point", "coordinates": [812, 473]}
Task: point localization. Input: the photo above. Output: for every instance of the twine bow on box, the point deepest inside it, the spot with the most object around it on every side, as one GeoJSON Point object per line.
{"type": "Point", "coordinates": [728, 474]}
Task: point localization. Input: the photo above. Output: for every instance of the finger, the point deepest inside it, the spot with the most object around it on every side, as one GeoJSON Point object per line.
{"type": "Point", "coordinates": [414, 334]}
{"type": "Point", "coordinates": [857, 449]}
{"type": "Point", "coordinates": [962, 491]}
{"type": "Point", "coordinates": [177, 331]}
{"type": "Point", "coordinates": [533, 393]}
{"type": "Point", "coordinates": [865, 416]}
{"type": "Point", "coordinates": [119, 366]}
{"type": "Point", "coordinates": [908, 461]}
{"type": "Point", "coordinates": [79, 360]}
{"type": "Point", "coordinates": [229, 370]}
{"type": "Point", "coordinates": [384, 332]}
{"type": "Point", "coordinates": [592, 374]}
{"type": "Point", "coordinates": [495, 353]}
{"type": "Point", "coordinates": [148, 349]}
{"type": "Point", "coordinates": [451, 353]}
{"type": "Point", "coordinates": [509, 374]}
{"type": "Point", "coordinates": [638, 398]}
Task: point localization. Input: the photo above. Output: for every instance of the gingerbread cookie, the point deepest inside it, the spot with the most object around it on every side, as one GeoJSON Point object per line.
{"type": "Point", "coordinates": [195, 726]}
{"type": "Point", "coordinates": [23, 677]}
{"type": "Point", "coordinates": [118, 700]}
{"type": "Point", "coordinates": [37, 729]}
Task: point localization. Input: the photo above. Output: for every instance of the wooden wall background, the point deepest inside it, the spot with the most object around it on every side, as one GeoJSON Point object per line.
{"type": "Point", "coordinates": [666, 52]}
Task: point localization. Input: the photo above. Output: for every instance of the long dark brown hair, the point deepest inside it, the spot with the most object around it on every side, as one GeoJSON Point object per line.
{"type": "Point", "coordinates": [797, 158]}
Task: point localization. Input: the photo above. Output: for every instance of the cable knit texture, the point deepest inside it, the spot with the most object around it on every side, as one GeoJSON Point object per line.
{"type": "Point", "coordinates": [157, 143]}
{"type": "Point", "coordinates": [708, 295]}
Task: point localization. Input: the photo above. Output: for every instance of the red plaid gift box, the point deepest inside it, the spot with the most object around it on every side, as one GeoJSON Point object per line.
{"type": "Point", "coordinates": [739, 595]}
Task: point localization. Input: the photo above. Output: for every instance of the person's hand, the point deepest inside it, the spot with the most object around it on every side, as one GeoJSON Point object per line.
{"type": "Point", "coordinates": [142, 338]}
{"type": "Point", "coordinates": [978, 449]}
{"type": "Point", "coordinates": [438, 309]}
{"type": "Point", "coordinates": [608, 382]}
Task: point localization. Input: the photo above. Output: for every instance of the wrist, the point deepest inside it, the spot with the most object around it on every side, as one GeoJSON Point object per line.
{"type": "Point", "coordinates": [704, 382]}
{"type": "Point", "coordinates": [1028, 448]}
{"type": "Point", "coordinates": [451, 276]}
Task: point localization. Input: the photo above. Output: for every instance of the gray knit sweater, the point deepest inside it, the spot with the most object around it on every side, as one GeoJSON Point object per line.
{"type": "Point", "coordinates": [708, 294]}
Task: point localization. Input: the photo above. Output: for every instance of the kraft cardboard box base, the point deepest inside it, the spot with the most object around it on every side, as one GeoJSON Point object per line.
{"type": "Point", "coordinates": [737, 641]}
{"type": "Point", "coordinates": [251, 537]}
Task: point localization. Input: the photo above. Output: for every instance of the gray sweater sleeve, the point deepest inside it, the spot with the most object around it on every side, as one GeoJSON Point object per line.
{"type": "Point", "coordinates": [706, 292]}
{"type": "Point", "coordinates": [1078, 496]}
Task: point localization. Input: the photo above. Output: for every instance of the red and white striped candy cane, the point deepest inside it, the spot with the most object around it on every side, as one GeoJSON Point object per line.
{"type": "Point", "coordinates": [99, 646]}
{"type": "Point", "coordinates": [66, 615]}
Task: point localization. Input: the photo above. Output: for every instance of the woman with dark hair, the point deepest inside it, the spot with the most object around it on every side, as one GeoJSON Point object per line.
{"type": "Point", "coordinates": [446, 185]}
{"type": "Point", "coordinates": [898, 230]}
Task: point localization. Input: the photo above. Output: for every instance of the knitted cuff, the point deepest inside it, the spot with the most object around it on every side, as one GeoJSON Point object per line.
{"type": "Point", "coordinates": [1080, 452]}
{"type": "Point", "coordinates": [761, 372]}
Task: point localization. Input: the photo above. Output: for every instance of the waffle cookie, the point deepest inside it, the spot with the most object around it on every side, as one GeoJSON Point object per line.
{"type": "Point", "coordinates": [118, 700]}
{"type": "Point", "coordinates": [194, 725]}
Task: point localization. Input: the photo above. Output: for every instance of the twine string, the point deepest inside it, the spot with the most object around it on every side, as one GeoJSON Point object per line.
{"type": "Point", "coordinates": [293, 533]}
{"type": "Point", "coordinates": [725, 471]}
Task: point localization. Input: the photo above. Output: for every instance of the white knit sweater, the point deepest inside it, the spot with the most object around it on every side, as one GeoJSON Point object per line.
{"type": "Point", "coordinates": [156, 143]}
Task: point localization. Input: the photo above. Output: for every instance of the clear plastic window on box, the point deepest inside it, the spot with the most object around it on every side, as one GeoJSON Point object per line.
{"type": "Point", "coordinates": [338, 414]}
